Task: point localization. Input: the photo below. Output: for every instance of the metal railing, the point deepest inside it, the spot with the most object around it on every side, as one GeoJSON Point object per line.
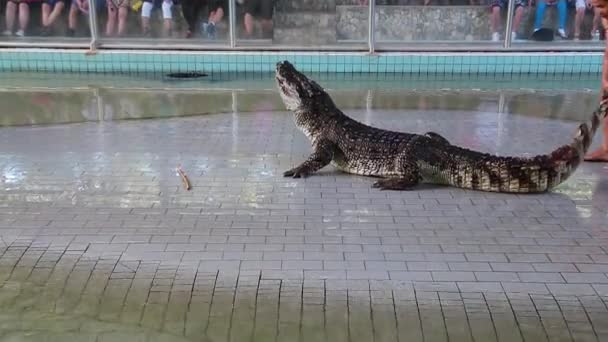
{"type": "Point", "coordinates": [233, 43]}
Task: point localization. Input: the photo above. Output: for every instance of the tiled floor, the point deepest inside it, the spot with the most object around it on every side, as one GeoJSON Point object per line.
{"type": "Point", "coordinates": [100, 241]}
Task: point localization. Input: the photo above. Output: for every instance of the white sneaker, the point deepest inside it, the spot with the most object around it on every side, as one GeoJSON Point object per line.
{"type": "Point", "coordinates": [20, 33]}
{"type": "Point", "coordinates": [595, 35]}
{"type": "Point", "coordinates": [562, 33]}
{"type": "Point", "coordinates": [495, 36]}
{"type": "Point", "coordinates": [7, 33]}
{"type": "Point", "coordinates": [513, 35]}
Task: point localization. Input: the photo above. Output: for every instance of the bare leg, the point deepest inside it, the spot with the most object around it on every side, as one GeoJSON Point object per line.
{"type": "Point", "coordinates": [495, 21]}
{"type": "Point", "coordinates": [56, 12]}
{"type": "Point", "coordinates": [596, 20]}
{"type": "Point", "coordinates": [519, 14]}
{"type": "Point", "coordinates": [145, 25]}
{"type": "Point", "coordinates": [111, 23]}
{"type": "Point", "coordinates": [24, 16]}
{"type": "Point", "coordinates": [578, 22]}
{"type": "Point", "coordinates": [248, 22]}
{"type": "Point", "coordinates": [122, 20]}
{"type": "Point", "coordinates": [11, 11]}
{"type": "Point", "coordinates": [46, 11]}
{"type": "Point", "coordinates": [73, 17]}
{"type": "Point", "coordinates": [167, 23]}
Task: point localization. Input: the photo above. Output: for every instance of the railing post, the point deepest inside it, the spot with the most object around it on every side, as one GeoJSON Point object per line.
{"type": "Point", "coordinates": [371, 34]}
{"type": "Point", "coordinates": [232, 22]}
{"type": "Point", "coordinates": [93, 25]}
{"type": "Point", "coordinates": [509, 25]}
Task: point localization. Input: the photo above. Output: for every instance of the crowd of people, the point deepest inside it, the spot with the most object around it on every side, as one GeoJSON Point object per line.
{"type": "Point", "coordinates": [581, 7]}
{"type": "Point", "coordinates": [117, 13]}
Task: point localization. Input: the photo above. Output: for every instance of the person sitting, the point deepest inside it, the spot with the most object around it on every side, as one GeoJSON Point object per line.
{"type": "Point", "coordinates": [496, 6]}
{"type": "Point", "coordinates": [146, 10]}
{"type": "Point", "coordinates": [117, 10]}
{"type": "Point", "coordinates": [581, 8]}
{"type": "Point", "coordinates": [261, 9]}
{"type": "Point", "coordinates": [12, 7]}
{"type": "Point", "coordinates": [216, 13]}
{"type": "Point", "coordinates": [81, 7]}
{"type": "Point", "coordinates": [562, 11]}
{"type": "Point", "coordinates": [51, 10]}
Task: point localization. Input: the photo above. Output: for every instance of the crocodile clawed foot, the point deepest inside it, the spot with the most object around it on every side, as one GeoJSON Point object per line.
{"type": "Point", "coordinates": [394, 184]}
{"type": "Point", "coordinates": [297, 172]}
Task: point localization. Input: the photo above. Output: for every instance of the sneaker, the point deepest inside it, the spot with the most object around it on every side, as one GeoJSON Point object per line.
{"type": "Point", "coordinates": [7, 33]}
{"type": "Point", "coordinates": [211, 31]}
{"type": "Point", "coordinates": [20, 33]}
{"type": "Point", "coordinates": [513, 35]}
{"type": "Point", "coordinates": [495, 36]}
{"type": "Point", "coordinates": [562, 33]}
{"type": "Point", "coordinates": [595, 35]}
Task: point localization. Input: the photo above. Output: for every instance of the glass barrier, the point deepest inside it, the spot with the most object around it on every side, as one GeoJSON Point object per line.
{"type": "Point", "coordinates": [397, 25]}
{"type": "Point", "coordinates": [164, 23]}
{"type": "Point", "coordinates": [43, 21]}
{"type": "Point", "coordinates": [414, 23]}
{"type": "Point", "coordinates": [546, 23]}
{"type": "Point", "coordinates": [296, 23]}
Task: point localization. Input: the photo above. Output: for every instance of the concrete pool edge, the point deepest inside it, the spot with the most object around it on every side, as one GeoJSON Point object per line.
{"type": "Point", "coordinates": [210, 62]}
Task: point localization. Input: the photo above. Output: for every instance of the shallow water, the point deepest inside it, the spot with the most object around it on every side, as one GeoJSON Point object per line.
{"type": "Point", "coordinates": [34, 99]}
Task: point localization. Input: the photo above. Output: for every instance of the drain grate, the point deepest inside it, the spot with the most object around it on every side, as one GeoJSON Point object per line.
{"type": "Point", "coordinates": [186, 75]}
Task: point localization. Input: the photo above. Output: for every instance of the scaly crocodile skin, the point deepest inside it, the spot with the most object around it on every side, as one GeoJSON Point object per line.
{"type": "Point", "coordinates": [404, 160]}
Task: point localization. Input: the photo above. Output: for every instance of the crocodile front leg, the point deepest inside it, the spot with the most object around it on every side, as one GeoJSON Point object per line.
{"type": "Point", "coordinates": [320, 157]}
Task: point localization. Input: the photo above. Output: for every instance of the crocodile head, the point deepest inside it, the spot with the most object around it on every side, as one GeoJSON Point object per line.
{"type": "Point", "coordinates": [297, 91]}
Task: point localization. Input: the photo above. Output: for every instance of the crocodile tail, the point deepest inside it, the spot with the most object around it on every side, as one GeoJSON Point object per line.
{"type": "Point", "coordinates": [574, 152]}
{"type": "Point", "coordinates": [553, 169]}
{"type": "Point", "coordinates": [485, 172]}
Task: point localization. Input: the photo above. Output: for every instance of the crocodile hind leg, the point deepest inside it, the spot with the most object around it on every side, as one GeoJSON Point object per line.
{"type": "Point", "coordinates": [408, 173]}
{"type": "Point", "coordinates": [320, 157]}
{"type": "Point", "coordinates": [409, 178]}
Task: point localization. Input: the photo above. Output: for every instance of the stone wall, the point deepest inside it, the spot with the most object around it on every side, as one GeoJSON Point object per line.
{"type": "Point", "coordinates": [305, 22]}
{"type": "Point", "coordinates": [436, 23]}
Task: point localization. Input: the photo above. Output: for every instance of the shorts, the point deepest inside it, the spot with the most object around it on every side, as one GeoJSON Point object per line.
{"type": "Point", "coordinates": [118, 3]}
{"type": "Point", "coordinates": [260, 8]}
{"type": "Point", "coordinates": [26, 1]}
{"type": "Point", "coordinates": [150, 5]}
{"type": "Point", "coordinates": [581, 4]}
{"type": "Point", "coordinates": [52, 3]}
{"type": "Point", "coordinates": [505, 3]}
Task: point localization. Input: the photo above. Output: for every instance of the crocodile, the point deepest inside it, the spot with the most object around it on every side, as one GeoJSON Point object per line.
{"type": "Point", "coordinates": [402, 161]}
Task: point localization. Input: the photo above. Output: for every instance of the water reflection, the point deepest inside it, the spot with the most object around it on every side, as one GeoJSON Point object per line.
{"type": "Point", "coordinates": [39, 107]}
